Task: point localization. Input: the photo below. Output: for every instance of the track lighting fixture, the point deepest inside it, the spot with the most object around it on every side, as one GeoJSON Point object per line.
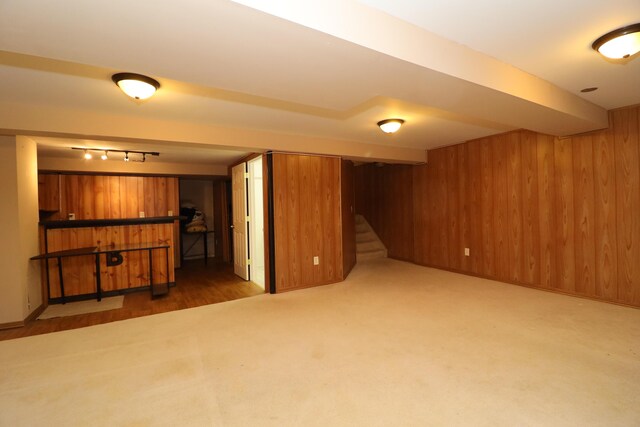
{"type": "Point", "coordinates": [127, 154]}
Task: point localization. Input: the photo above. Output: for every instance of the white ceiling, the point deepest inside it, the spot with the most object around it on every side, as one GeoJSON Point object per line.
{"type": "Point", "coordinates": [547, 38]}
{"type": "Point", "coordinates": [329, 70]}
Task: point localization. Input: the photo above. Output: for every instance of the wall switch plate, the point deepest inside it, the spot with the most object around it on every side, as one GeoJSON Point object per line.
{"type": "Point", "coordinates": [141, 214]}
{"type": "Point", "coordinates": [466, 251]}
{"type": "Point", "coordinates": [316, 260]}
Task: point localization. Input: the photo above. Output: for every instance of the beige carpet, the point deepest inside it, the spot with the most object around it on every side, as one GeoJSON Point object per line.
{"type": "Point", "coordinates": [394, 345]}
{"type": "Point", "coordinates": [82, 307]}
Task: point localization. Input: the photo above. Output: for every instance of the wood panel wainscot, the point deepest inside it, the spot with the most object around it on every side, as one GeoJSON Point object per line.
{"type": "Point", "coordinates": [79, 272]}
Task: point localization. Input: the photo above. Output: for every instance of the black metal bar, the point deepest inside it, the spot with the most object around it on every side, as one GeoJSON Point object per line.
{"type": "Point", "coordinates": [270, 221]}
{"type": "Point", "coordinates": [167, 265]}
{"type": "Point", "coordinates": [46, 263]}
{"type": "Point", "coordinates": [46, 266]}
{"type": "Point", "coordinates": [151, 269]}
{"type": "Point", "coordinates": [206, 249]}
{"type": "Point", "coordinates": [105, 294]}
{"type": "Point", "coordinates": [181, 247]}
{"type": "Point", "coordinates": [61, 279]}
{"type": "Point", "coordinates": [98, 279]}
{"type": "Point", "coordinates": [113, 150]}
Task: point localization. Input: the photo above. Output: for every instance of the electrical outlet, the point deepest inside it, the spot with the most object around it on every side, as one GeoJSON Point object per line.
{"type": "Point", "coordinates": [316, 260]}
{"type": "Point", "coordinates": [170, 213]}
{"type": "Point", "coordinates": [141, 214]}
{"type": "Point", "coordinates": [466, 251]}
{"type": "Point", "coordinates": [71, 216]}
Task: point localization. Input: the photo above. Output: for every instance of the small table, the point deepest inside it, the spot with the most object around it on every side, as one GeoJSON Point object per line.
{"type": "Point", "coordinates": [205, 242]}
{"type": "Point", "coordinates": [114, 258]}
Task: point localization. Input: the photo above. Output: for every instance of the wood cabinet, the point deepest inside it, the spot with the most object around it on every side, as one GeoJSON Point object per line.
{"type": "Point", "coordinates": [49, 192]}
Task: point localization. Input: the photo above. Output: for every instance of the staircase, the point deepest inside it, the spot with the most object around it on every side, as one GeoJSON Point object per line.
{"type": "Point", "coordinates": [368, 245]}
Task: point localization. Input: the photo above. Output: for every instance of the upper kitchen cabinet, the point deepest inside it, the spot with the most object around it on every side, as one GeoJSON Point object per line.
{"type": "Point", "coordinates": [49, 192]}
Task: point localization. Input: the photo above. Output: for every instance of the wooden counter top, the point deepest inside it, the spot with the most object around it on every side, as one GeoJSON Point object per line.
{"type": "Point", "coordinates": [78, 223]}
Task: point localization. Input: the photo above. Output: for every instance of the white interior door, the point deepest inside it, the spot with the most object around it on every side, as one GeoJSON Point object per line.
{"type": "Point", "coordinates": [256, 222]}
{"type": "Point", "coordinates": [239, 203]}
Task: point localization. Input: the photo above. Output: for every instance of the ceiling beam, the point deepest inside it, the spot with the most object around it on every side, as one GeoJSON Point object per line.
{"type": "Point", "coordinates": [40, 120]}
{"type": "Point", "coordinates": [499, 89]}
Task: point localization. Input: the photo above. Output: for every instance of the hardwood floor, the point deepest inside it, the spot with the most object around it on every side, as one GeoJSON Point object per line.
{"type": "Point", "coordinates": [197, 285]}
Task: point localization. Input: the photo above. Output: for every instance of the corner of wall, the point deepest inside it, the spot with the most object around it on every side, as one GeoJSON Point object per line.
{"type": "Point", "coordinates": [27, 208]}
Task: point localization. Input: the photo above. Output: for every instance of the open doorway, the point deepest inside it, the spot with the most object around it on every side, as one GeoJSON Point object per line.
{"type": "Point", "coordinates": [223, 222]}
{"type": "Point", "coordinates": [197, 225]}
{"type": "Point", "coordinates": [207, 216]}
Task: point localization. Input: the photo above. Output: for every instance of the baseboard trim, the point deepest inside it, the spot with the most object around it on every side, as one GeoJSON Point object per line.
{"type": "Point", "coordinates": [297, 288]}
{"type": "Point", "coordinates": [35, 314]}
{"type": "Point", "coordinates": [524, 285]}
{"type": "Point", "coordinates": [12, 325]}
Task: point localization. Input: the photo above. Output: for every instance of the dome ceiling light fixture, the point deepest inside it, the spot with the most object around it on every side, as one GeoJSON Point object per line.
{"type": "Point", "coordinates": [390, 125]}
{"type": "Point", "coordinates": [619, 44]}
{"type": "Point", "coordinates": [136, 86]}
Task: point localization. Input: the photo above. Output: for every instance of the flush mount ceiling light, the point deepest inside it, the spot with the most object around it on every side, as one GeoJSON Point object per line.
{"type": "Point", "coordinates": [136, 86]}
{"type": "Point", "coordinates": [618, 44]}
{"type": "Point", "coordinates": [390, 125]}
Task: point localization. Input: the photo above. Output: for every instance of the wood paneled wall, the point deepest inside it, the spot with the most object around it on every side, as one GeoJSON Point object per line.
{"type": "Point", "coordinates": [114, 197]}
{"type": "Point", "coordinates": [307, 220]}
{"type": "Point", "coordinates": [79, 272]}
{"type": "Point", "coordinates": [384, 196]}
{"type": "Point", "coordinates": [347, 181]}
{"type": "Point", "coordinates": [554, 213]}
{"type": "Point", "coordinates": [117, 197]}
{"type": "Point", "coordinates": [493, 196]}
